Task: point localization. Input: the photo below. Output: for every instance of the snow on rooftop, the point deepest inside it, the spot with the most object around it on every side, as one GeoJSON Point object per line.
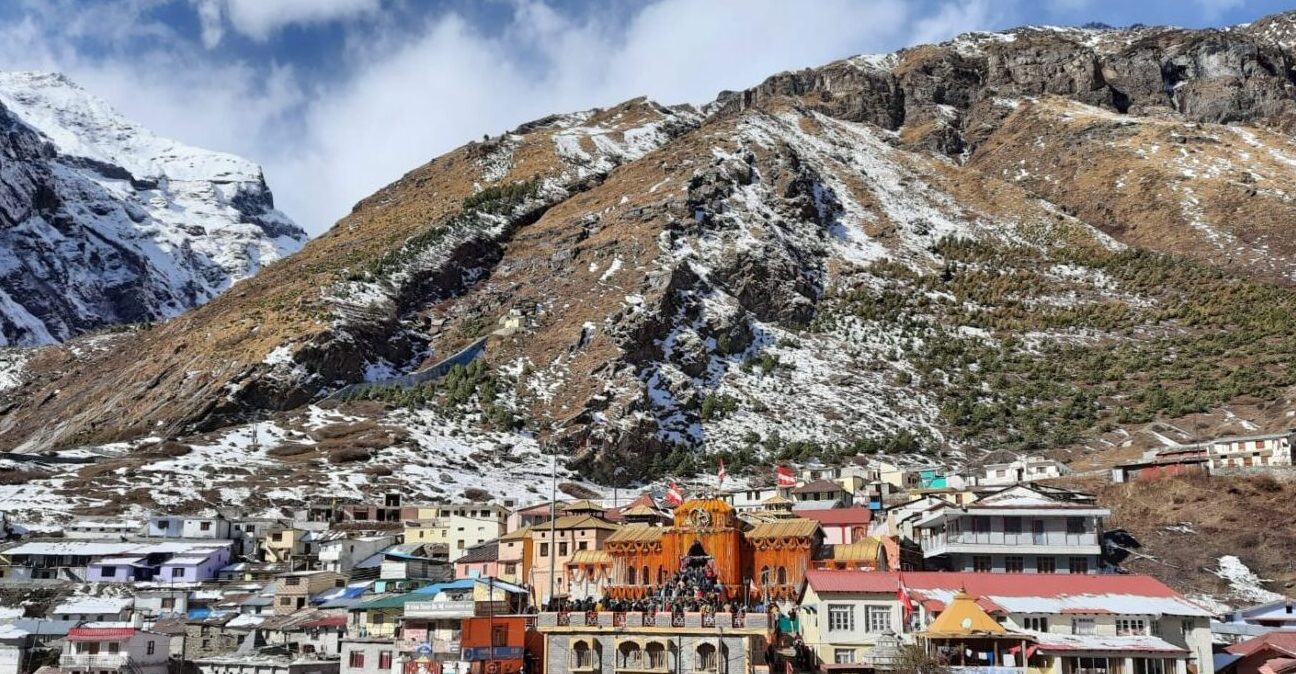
{"type": "Point", "coordinates": [93, 605]}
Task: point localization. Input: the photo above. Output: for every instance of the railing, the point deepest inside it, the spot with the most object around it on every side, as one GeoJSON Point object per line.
{"type": "Point", "coordinates": [93, 660]}
{"type": "Point", "coordinates": [993, 669]}
{"type": "Point", "coordinates": [622, 619]}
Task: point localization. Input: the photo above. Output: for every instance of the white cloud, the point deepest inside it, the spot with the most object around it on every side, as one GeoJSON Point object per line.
{"type": "Point", "coordinates": [404, 95]}
{"type": "Point", "coordinates": [260, 19]}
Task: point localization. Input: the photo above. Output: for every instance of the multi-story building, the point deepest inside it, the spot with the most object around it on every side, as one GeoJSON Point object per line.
{"type": "Point", "coordinates": [554, 544]}
{"type": "Point", "coordinates": [293, 590]}
{"type": "Point", "coordinates": [820, 494]}
{"type": "Point", "coordinates": [752, 499]}
{"type": "Point", "coordinates": [94, 609]}
{"type": "Point", "coordinates": [459, 525]}
{"type": "Point", "coordinates": [1094, 624]}
{"type": "Point", "coordinates": [1259, 451]}
{"type": "Point", "coordinates": [515, 552]}
{"type": "Point", "coordinates": [604, 641]}
{"type": "Point", "coordinates": [1016, 530]}
{"type": "Point", "coordinates": [707, 533]}
{"type": "Point", "coordinates": [103, 528]}
{"type": "Point", "coordinates": [342, 554]}
{"type": "Point", "coordinates": [122, 648]}
{"type": "Point", "coordinates": [1020, 470]}
{"type": "Point", "coordinates": [479, 561]}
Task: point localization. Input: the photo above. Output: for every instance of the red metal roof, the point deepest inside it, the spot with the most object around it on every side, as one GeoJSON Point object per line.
{"type": "Point", "coordinates": [838, 516]}
{"type": "Point", "coordinates": [1279, 640]}
{"type": "Point", "coordinates": [327, 621]}
{"type": "Point", "coordinates": [981, 584]}
{"type": "Point", "coordinates": [100, 633]}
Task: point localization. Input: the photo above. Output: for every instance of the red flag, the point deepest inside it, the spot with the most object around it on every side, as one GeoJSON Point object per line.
{"type": "Point", "coordinates": [674, 495]}
{"type": "Point", "coordinates": [786, 478]}
{"type": "Point", "coordinates": [721, 474]}
{"type": "Point", "coordinates": [902, 593]}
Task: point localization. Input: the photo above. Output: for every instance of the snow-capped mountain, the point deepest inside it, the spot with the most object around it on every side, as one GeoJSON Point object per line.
{"type": "Point", "coordinates": [103, 222]}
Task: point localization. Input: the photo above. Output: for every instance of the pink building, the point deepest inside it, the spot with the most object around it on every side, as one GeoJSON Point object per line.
{"type": "Point", "coordinates": [479, 561]}
{"type": "Point", "coordinates": [841, 526]}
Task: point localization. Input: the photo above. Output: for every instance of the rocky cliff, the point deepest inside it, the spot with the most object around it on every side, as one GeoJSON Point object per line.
{"type": "Point", "coordinates": [103, 223]}
{"type": "Point", "coordinates": [1032, 240]}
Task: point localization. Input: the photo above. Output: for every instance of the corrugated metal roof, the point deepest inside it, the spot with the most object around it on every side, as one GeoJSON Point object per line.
{"type": "Point", "coordinates": [797, 527]}
{"type": "Point", "coordinates": [100, 633]}
{"type": "Point", "coordinates": [590, 557]}
{"type": "Point", "coordinates": [862, 550]}
{"type": "Point", "coordinates": [636, 533]}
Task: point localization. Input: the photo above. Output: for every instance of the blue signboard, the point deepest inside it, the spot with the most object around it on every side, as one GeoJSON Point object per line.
{"type": "Point", "coordinates": [501, 653]}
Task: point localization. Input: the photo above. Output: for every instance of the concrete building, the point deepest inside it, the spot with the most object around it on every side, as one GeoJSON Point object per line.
{"type": "Point", "coordinates": [340, 555]}
{"type": "Point", "coordinates": [114, 647]}
{"type": "Point", "coordinates": [1021, 470]}
{"type": "Point", "coordinates": [1016, 530]}
{"type": "Point", "coordinates": [264, 664]}
{"type": "Point", "coordinates": [605, 642]}
{"type": "Point", "coordinates": [1069, 624]}
{"type": "Point", "coordinates": [1251, 451]}
{"type": "Point", "coordinates": [294, 589]}
{"type": "Point", "coordinates": [103, 528]}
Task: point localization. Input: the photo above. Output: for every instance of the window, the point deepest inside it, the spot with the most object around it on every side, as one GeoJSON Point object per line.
{"type": "Point", "coordinates": [879, 618]}
{"type": "Point", "coordinates": [108, 571]}
{"type": "Point", "coordinates": [980, 524]}
{"type": "Point", "coordinates": [630, 575]}
{"type": "Point", "coordinates": [356, 661]}
{"type": "Point", "coordinates": [378, 618]}
{"type": "Point", "coordinates": [1127, 627]}
{"type": "Point", "coordinates": [206, 643]}
{"type": "Point", "coordinates": [1035, 624]}
{"type": "Point", "coordinates": [544, 549]}
{"type": "Point", "coordinates": [276, 536]}
{"type": "Point", "coordinates": [1089, 666]}
{"type": "Point", "coordinates": [981, 563]}
{"type": "Point", "coordinates": [384, 660]}
{"type": "Point", "coordinates": [643, 575]}
{"type": "Point", "coordinates": [168, 602]}
{"type": "Point", "coordinates": [582, 658]}
{"type": "Point", "coordinates": [782, 575]}
{"type": "Point", "coordinates": [114, 647]}
{"type": "Point", "coordinates": [583, 545]}
{"type": "Point", "coordinates": [841, 618]}
{"type": "Point", "coordinates": [152, 648]}
{"type": "Point", "coordinates": [706, 659]}
{"type": "Point", "coordinates": [1149, 666]}
{"type": "Point", "coordinates": [1075, 525]}
{"type": "Point", "coordinates": [292, 581]}
{"type": "Point", "coordinates": [1014, 564]}
{"type": "Point", "coordinates": [1082, 626]}
{"type": "Point", "coordinates": [843, 656]}
{"type": "Point", "coordinates": [656, 655]}
{"type": "Point", "coordinates": [1079, 564]}
{"type": "Point", "coordinates": [562, 549]}
{"type": "Point", "coordinates": [177, 572]}
{"type": "Point", "coordinates": [1045, 565]}
{"type": "Point", "coordinates": [205, 526]}
{"type": "Point", "coordinates": [499, 636]}
{"type": "Point", "coordinates": [1012, 525]}
{"type": "Point", "coordinates": [285, 601]}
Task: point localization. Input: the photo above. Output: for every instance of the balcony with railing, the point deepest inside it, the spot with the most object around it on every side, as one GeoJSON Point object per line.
{"type": "Point", "coordinates": [636, 619]}
{"type": "Point", "coordinates": [1059, 542]}
{"type": "Point", "coordinates": [93, 661]}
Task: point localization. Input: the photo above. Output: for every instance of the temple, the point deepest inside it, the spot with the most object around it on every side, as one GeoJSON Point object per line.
{"type": "Point", "coordinates": [708, 552]}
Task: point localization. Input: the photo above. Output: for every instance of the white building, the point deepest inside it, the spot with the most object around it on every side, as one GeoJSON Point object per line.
{"type": "Point", "coordinates": [206, 528]}
{"type": "Point", "coordinates": [94, 609]}
{"type": "Point", "coordinates": [1096, 624]}
{"type": "Point", "coordinates": [13, 642]}
{"type": "Point", "coordinates": [104, 528]}
{"type": "Point", "coordinates": [114, 647]}
{"type": "Point", "coordinates": [342, 554]}
{"type": "Point", "coordinates": [1016, 530]}
{"type": "Point", "coordinates": [1021, 470]}
{"type": "Point", "coordinates": [752, 498]}
{"type": "Point", "coordinates": [1249, 451]}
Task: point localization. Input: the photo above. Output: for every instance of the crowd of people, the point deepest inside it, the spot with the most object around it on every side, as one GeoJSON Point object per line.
{"type": "Point", "coordinates": [693, 589]}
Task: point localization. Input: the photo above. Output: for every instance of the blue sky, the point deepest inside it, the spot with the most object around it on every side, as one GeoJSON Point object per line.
{"type": "Point", "coordinates": [336, 98]}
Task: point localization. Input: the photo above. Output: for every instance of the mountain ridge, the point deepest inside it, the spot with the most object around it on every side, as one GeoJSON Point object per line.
{"type": "Point", "coordinates": [666, 261]}
{"type": "Point", "coordinates": [106, 223]}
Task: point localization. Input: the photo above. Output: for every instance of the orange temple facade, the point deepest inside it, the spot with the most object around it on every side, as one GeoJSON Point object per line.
{"type": "Point", "coordinates": [768, 559]}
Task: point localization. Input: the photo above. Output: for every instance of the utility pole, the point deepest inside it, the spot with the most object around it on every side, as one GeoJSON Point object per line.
{"type": "Point", "coordinates": [553, 516]}
{"type": "Point", "coordinates": [490, 599]}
